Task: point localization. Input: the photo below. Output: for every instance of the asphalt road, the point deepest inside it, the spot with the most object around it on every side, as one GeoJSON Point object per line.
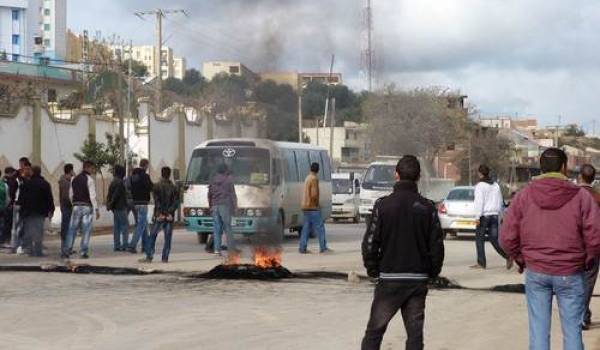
{"type": "Point", "coordinates": [169, 311]}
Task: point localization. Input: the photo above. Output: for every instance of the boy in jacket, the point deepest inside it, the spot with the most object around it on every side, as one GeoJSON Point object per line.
{"type": "Point", "coordinates": [403, 247]}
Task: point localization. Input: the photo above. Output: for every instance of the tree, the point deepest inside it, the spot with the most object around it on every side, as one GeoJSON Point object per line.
{"type": "Point", "coordinates": [138, 69]}
{"type": "Point", "coordinates": [573, 131]}
{"type": "Point", "coordinates": [193, 77]}
{"type": "Point", "coordinates": [418, 122]}
{"type": "Point", "coordinates": [347, 103]}
{"type": "Point", "coordinates": [487, 147]}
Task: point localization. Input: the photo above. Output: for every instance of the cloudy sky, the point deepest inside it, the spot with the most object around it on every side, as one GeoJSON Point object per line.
{"type": "Point", "coordinates": [512, 57]}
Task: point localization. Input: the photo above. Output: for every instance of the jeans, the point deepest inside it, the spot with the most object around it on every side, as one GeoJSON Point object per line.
{"type": "Point", "coordinates": [222, 223]}
{"type": "Point", "coordinates": [487, 225]}
{"type": "Point", "coordinates": [141, 227]}
{"type": "Point", "coordinates": [570, 294]}
{"type": "Point", "coordinates": [65, 221]}
{"type": "Point", "coordinates": [313, 220]}
{"type": "Point", "coordinates": [17, 232]}
{"type": "Point", "coordinates": [81, 220]}
{"type": "Point", "coordinates": [34, 233]}
{"type": "Point", "coordinates": [390, 297]}
{"type": "Point", "coordinates": [151, 242]}
{"type": "Point", "coordinates": [591, 276]}
{"type": "Point", "coordinates": [120, 229]}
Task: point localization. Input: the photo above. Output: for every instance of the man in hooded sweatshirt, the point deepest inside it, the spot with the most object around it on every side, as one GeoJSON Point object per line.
{"type": "Point", "coordinates": [587, 176]}
{"type": "Point", "coordinates": [222, 201]}
{"type": "Point", "coordinates": [552, 229]}
{"type": "Point", "coordinates": [489, 207]}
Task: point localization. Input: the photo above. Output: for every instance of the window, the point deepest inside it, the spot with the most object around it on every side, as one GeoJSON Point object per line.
{"type": "Point", "coordinates": [15, 39]}
{"type": "Point", "coordinates": [15, 15]}
{"type": "Point", "coordinates": [303, 163]}
{"type": "Point", "coordinates": [234, 70]}
{"type": "Point", "coordinates": [248, 166]}
{"type": "Point", "coordinates": [462, 195]}
{"type": "Point", "coordinates": [291, 171]}
{"type": "Point", "coordinates": [46, 12]}
{"type": "Point", "coordinates": [15, 57]}
{"type": "Point", "coordinates": [47, 27]}
{"type": "Point", "coordinates": [47, 42]}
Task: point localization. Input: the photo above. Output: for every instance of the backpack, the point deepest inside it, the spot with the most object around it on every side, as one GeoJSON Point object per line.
{"type": "Point", "coordinates": [3, 190]}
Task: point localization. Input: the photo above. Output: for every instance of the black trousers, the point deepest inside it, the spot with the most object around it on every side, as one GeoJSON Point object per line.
{"type": "Point", "coordinates": [5, 234]}
{"type": "Point", "coordinates": [390, 297]}
{"type": "Point", "coordinates": [488, 226]}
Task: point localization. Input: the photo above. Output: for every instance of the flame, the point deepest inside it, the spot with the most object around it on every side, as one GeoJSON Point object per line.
{"type": "Point", "coordinates": [233, 258]}
{"type": "Point", "coordinates": [266, 258]}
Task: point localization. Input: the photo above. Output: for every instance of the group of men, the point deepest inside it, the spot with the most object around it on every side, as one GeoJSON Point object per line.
{"type": "Point", "coordinates": [551, 230]}
{"type": "Point", "coordinates": [26, 202]}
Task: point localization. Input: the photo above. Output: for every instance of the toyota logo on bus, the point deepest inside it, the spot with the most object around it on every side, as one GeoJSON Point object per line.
{"type": "Point", "coordinates": [228, 152]}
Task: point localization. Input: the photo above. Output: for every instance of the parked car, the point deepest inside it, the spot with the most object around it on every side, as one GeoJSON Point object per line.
{"type": "Point", "coordinates": [457, 211]}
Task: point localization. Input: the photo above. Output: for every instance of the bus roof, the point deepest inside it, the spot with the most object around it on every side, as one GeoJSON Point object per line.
{"type": "Point", "coordinates": [260, 143]}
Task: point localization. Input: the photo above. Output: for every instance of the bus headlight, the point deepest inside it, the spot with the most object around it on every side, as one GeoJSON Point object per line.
{"type": "Point", "coordinates": [250, 212]}
{"type": "Point", "coordinates": [258, 212]}
{"type": "Point", "coordinates": [193, 212]}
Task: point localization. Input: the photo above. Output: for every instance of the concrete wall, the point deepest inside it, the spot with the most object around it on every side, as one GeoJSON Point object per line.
{"type": "Point", "coordinates": [167, 140]}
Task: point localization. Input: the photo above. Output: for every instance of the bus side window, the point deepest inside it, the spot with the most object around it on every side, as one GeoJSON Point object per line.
{"type": "Point", "coordinates": [326, 166]}
{"type": "Point", "coordinates": [315, 157]}
{"type": "Point", "coordinates": [303, 164]}
{"type": "Point", "coordinates": [291, 170]}
{"type": "Point", "coordinates": [276, 170]}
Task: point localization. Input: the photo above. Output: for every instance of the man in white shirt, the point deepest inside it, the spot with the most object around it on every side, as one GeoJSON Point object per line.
{"type": "Point", "coordinates": [489, 206]}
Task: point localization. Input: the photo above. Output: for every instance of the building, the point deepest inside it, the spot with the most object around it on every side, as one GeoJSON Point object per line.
{"type": "Point", "coordinates": [97, 51]}
{"type": "Point", "coordinates": [527, 124]}
{"type": "Point", "coordinates": [54, 28]}
{"type": "Point", "coordinates": [33, 28]}
{"type": "Point", "coordinates": [324, 78]}
{"type": "Point", "coordinates": [214, 68]}
{"type": "Point", "coordinates": [19, 28]}
{"type": "Point", "coordinates": [351, 142]}
{"type": "Point", "coordinates": [300, 80]}
{"type": "Point", "coordinates": [179, 67]}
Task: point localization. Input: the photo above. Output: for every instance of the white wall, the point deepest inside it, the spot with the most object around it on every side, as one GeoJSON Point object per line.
{"type": "Point", "coordinates": [16, 136]}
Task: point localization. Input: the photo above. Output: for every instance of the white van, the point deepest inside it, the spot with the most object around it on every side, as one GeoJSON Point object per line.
{"type": "Point", "coordinates": [345, 197]}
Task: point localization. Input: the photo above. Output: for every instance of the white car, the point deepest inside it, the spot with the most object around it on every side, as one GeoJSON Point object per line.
{"type": "Point", "coordinates": [457, 211]}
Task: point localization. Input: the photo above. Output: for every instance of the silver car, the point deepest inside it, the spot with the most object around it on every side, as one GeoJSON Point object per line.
{"type": "Point", "coordinates": [457, 211]}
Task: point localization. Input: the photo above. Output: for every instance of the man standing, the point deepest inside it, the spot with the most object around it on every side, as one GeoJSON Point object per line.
{"type": "Point", "coordinates": [116, 202]}
{"type": "Point", "coordinates": [166, 202]}
{"type": "Point", "coordinates": [404, 248]}
{"type": "Point", "coordinates": [66, 207]}
{"type": "Point", "coordinates": [587, 176]}
{"type": "Point", "coordinates": [312, 212]}
{"type": "Point", "coordinates": [141, 187]}
{"type": "Point", "coordinates": [4, 204]}
{"type": "Point", "coordinates": [18, 232]}
{"type": "Point", "coordinates": [552, 229]}
{"type": "Point", "coordinates": [222, 201]}
{"type": "Point", "coordinates": [83, 197]}
{"type": "Point", "coordinates": [489, 206]}
{"type": "Point", "coordinates": [37, 204]}
{"type": "Point", "coordinates": [10, 179]}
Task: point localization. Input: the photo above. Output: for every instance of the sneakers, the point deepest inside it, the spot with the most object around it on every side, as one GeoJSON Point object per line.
{"type": "Point", "coordinates": [305, 251]}
{"type": "Point", "coordinates": [145, 260]}
{"type": "Point", "coordinates": [477, 267]}
{"type": "Point", "coordinates": [327, 251]}
{"type": "Point", "coordinates": [165, 261]}
{"type": "Point", "coordinates": [84, 256]}
{"type": "Point", "coordinates": [20, 250]}
{"type": "Point", "coordinates": [217, 254]}
{"type": "Point", "coordinates": [132, 250]}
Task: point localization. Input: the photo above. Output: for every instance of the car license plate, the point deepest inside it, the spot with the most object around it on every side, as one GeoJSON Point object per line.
{"type": "Point", "coordinates": [467, 223]}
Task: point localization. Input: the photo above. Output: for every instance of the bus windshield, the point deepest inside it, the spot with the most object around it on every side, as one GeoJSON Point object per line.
{"type": "Point", "coordinates": [341, 186]}
{"type": "Point", "coordinates": [248, 166]}
{"type": "Point", "coordinates": [380, 176]}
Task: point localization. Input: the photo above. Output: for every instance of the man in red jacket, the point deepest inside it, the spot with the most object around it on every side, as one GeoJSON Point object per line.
{"type": "Point", "coordinates": [552, 229]}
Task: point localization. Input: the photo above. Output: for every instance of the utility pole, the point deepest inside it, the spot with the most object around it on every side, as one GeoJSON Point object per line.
{"type": "Point", "coordinates": [159, 13]}
{"type": "Point", "coordinates": [128, 108]}
{"type": "Point", "coordinates": [328, 97]}
{"type": "Point", "coordinates": [331, 126]}
{"type": "Point", "coordinates": [300, 117]}
{"type": "Point", "coordinates": [120, 104]}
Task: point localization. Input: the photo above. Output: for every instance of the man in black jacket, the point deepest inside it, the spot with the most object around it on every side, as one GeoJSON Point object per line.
{"type": "Point", "coordinates": [116, 202]}
{"type": "Point", "coordinates": [403, 247]}
{"type": "Point", "coordinates": [36, 204]}
{"type": "Point", "coordinates": [166, 202]}
{"type": "Point", "coordinates": [141, 188]}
